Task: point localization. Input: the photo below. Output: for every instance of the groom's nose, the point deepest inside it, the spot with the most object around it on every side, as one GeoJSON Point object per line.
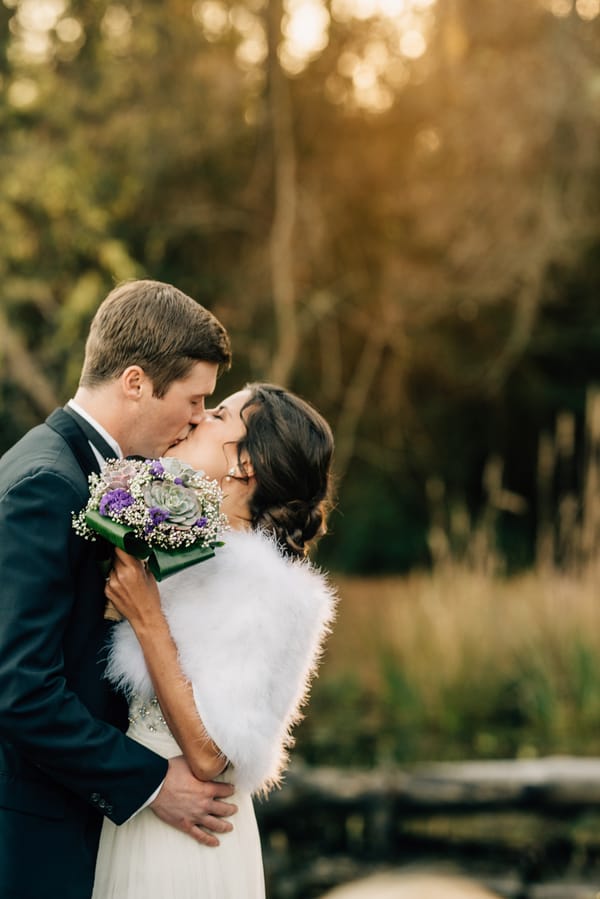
{"type": "Point", "coordinates": [198, 414]}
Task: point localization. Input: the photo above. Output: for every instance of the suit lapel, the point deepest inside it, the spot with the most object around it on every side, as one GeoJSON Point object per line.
{"type": "Point", "coordinates": [69, 430]}
{"type": "Point", "coordinates": [94, 437]}
{"type": "Point", "coordinates": [67, 427]}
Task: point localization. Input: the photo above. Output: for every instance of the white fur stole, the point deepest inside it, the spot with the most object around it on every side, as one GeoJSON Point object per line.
{"type": "Point", "coordinates": [249, 626]}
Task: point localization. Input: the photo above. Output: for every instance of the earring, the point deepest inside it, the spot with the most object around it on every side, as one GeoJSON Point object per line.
{"type": "Point", "coordinates": [231, 472]}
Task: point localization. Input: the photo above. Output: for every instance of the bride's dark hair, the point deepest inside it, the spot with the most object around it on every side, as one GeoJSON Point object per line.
{"type": "Point", "coordinates": [290, 447]}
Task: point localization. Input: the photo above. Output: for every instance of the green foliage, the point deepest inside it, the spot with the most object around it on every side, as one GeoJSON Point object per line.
{"type": "Point", "coordinates": [440, 264]}
{"type": "Point", "coordinates": [504, 719]}
{"type": "Point", "coordinates": [379, 525]}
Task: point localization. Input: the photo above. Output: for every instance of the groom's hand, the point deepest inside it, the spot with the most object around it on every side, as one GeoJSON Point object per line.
{"type": "Point", "coordinates": [194, 806]}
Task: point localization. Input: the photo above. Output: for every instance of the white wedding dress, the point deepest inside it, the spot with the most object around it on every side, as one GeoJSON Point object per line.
{"type": "Point", "coordinates": [249, 625]}
{"type": "Point", "coordinates": [147, 859]}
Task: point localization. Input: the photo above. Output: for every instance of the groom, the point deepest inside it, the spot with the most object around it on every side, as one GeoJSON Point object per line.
{"type": "Point", "coordinates": [152, 356]}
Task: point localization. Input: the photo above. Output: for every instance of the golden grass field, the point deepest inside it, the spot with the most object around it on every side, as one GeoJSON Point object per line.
{"type": "Point", "coordinates": [458, 663]}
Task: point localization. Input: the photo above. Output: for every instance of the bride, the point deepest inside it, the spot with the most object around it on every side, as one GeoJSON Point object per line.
{"type": "Point", "coordinates": [217, 661]}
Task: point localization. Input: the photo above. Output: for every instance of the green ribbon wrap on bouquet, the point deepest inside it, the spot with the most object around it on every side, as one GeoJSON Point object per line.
{"type": "Point", "coordinates": [161, 562]}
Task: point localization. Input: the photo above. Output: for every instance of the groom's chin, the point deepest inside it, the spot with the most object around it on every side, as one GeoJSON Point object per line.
{"type": "Point", "coordinates": [172, 446]}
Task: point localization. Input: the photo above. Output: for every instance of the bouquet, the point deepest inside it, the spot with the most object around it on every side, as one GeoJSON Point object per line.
{"type": "Point", "coordinates": [158, 509]}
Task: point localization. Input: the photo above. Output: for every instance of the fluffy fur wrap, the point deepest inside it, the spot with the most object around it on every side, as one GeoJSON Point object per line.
{"type": "Point", "coordinates": [249, 626]}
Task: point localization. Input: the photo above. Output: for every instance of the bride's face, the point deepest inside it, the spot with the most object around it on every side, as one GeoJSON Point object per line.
{"type": "Point", "coordinates": [212, 445]}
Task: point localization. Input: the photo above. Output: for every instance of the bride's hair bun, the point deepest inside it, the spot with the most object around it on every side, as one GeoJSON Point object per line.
{"type": "Point", "coordinates": [295, 525]}
{"type": "Point", "coordinates": [290, 447]}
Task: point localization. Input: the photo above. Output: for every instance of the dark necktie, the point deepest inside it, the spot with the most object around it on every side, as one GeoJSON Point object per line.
{"type": "Point", "coordinates": [92, 435]}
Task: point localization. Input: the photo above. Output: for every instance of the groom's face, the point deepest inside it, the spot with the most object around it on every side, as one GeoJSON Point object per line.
{"type": "Point", "coordinates": [164, 421]}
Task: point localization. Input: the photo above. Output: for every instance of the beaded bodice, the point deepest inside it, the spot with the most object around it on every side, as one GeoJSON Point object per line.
{"type": "Point", "coordinates": [148, 714]}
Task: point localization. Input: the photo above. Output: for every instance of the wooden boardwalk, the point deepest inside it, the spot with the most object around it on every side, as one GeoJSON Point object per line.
{"type": "Point", "coordinates": [525, 829]}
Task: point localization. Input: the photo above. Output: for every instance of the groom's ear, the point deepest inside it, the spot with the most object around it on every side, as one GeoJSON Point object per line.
{"type": "Point", "coordinates": [134, 382]}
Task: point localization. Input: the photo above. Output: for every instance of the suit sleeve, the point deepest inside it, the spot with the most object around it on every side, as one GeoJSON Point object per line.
{"type": "Point", "coordinates": [39, 714]}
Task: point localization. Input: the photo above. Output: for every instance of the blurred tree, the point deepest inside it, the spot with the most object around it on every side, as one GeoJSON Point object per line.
{"type": "Point", "coordinates": [383, 201]}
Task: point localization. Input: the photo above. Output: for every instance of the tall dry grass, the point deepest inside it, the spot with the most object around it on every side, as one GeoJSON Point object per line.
{"type": "Point", "coordinates": [462, 662]}
{"type": "Point", "coordinates": [457, 664]}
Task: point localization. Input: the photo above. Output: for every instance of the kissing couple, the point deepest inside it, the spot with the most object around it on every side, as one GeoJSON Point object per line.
{"type": "Point", "coordinates": [130, 752]}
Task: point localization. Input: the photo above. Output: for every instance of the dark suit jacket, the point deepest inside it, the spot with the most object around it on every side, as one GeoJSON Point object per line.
{"type": "Point", "coordinates": [63, 762]}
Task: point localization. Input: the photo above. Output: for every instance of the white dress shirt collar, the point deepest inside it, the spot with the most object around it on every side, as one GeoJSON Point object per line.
{"type": "Point", "coordinates": [98, 427]}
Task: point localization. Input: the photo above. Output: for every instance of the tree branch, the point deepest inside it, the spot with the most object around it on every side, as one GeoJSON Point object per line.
{"type": "Point", "coordinates": [285, 201]}
{"type": "Point", "coordinates": [24, 369]}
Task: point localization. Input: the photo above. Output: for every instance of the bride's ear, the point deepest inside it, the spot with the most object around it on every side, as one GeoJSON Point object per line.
{"type": "Point", "coordinates": [249, 471]}
{"type": "Point", "coordinates": [247, 466]}
{"type": "Point", "coordinates": [243, 469]}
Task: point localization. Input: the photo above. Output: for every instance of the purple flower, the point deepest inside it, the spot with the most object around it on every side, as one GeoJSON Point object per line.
{"type": "Point", "coordinates": [115, 501]}
{"type": "Point", "coordinates": [156, 516]}
{"type": "Point", "coordinates": [202, 522]}
{"type": "Point", "coordinates": [157, 469]}
{"type": "Point", "coordinates": [177, 481]}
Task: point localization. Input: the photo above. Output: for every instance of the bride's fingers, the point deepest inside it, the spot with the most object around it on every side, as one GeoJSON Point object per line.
{"type": "Point", "coordinates": [133, 572]}
{"type": "Point", "coordinates": [123, 556]}
{"type": "Point", "coordinates": [124, 561]}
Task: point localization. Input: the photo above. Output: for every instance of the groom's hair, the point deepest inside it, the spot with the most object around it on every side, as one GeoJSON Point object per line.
{"type": "Point", "coordinates": [156, 326]}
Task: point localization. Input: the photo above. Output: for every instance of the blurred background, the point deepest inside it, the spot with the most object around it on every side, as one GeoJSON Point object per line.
{"type": "Point", "coordinates": [393, 206]}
